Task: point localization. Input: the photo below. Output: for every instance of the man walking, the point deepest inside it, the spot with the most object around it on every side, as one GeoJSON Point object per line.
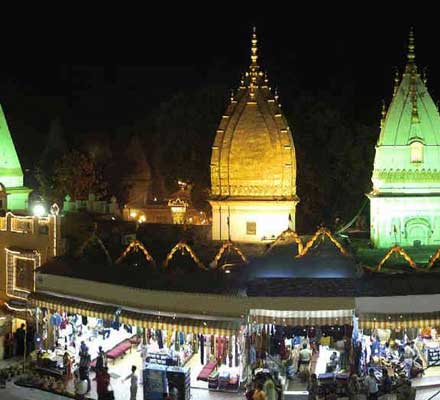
{"type": "Point", "coordinates": [372, 386]}
{"type": "Point", "coordinates": [133, 382]}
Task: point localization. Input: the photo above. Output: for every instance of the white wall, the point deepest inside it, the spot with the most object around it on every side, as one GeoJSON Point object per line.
{"type": "Point", "coordinates": [271, 219]}
{"type": "Point", "coordinates": [387, 212]}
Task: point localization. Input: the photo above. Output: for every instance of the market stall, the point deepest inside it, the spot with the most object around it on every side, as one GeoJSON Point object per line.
{"type": "Point", "coordinates": [399, 334]}
{"type": "Point", "coordinates": [180, 347]}
{"type": "Point", "coordinates": [288, 346]}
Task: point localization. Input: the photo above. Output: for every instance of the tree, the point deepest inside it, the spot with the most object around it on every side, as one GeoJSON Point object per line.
{"type": "Point", "coordinates": [185, 128]}
{"type": "Point", "coordinates": [77, 175]}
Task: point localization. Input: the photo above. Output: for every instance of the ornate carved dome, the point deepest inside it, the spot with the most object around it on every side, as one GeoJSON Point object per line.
{"type": "Point", "coordinates": [408, 149]}
{"type": "Point", "coordinates": [253, 155]}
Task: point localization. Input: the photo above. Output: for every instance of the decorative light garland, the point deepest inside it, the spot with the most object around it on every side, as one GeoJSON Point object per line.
{"type": "Point", "coordinates": [136, 245]}
{"type": "Point", "coordinates": [433, 259]}
{"type": "Point", "coordinates": [285, 235]}
{"type": "Point", "coordinates": [182, 246]}
{"type": "Point", "coordinates": [229, 246]}
{"type": "Point", "coordinates": [399, 250]}
{"type": "Point", "coordinates": [94, 238]}
{"type": "Point", "coordinates": [322, 231]}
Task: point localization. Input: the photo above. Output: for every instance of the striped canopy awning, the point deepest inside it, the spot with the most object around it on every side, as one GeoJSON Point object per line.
{"type": "Point", "coordinates": [302, 318]}
{"type": "Point", "coordinates": [399, 321]}
{"type": "Point", "coordinates": [71, 306]}
{"type": "Point", "coordinates": [136, 318]}
{"type": "Point", "coordinates": [187, 325]}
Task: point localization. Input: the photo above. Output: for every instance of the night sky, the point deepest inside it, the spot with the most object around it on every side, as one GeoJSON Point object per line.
{"type": "Point", "coordinates": [105, 73]}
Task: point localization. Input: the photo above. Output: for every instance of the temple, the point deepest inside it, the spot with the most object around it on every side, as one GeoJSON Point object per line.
{"type": "Point", "coordinates": [253, 164]}
{"type": "Point", "coordinates": [405, 200]}
{"type": "Point", "coordinates": [11, 174]}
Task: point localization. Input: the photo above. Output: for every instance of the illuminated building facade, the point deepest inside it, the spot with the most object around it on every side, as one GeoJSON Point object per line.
{"type": "Point", "coordinates": [253, 164]}
{"type": "Point", "coordinates": [11, 174]}
{"type": "Point", "coordinates": [405, 200]}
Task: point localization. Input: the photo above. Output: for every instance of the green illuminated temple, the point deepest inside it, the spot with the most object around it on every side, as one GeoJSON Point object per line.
{"type": "Point", "coordinates": [11, 174]}
{"type": "Point", "coordinates": [405, 200]}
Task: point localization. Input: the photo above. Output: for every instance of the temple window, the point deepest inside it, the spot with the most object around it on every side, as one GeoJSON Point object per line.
{"type": "Point", "coordinates": [416, 152]}
{"type": "Point", "coordinates": [251, 228]}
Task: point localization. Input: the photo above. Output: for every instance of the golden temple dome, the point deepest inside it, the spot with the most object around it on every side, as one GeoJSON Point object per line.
{"type": "Point", "coordinates": [253, 155]}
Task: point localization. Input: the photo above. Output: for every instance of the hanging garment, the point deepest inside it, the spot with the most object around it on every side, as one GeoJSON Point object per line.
{"type": "Point", "coordinates": [84, 320]}
{"type": "Point", "coordinates": [177, 342]}
{"type": "Point", "coordinates": [212, 342]}
{"type": "Point", "coordinates": [168, 337]}
{"type": "Point", "coordinates": [159, 339]}
{"type": "Point", "coordinates": [202, 349]}
{"type": "Point", "coordinates": [181, 338]}
{"type": "Point", "coordinates": [55, 319]}
{"type": "Point", "coordinates": [237, 356]}
{"type": "Point", "coordinates": [225, 350]}
{"type": "Point", "coordinates": [195, 343]}
{"type": "Point", "coordinates": [263, 341]}
{"type": "Point", "coordinates": [218, 350]}
{"type": "Point", "coordinates": [230, 346]}
{"type": "Point", "coordinates": [252, 355]}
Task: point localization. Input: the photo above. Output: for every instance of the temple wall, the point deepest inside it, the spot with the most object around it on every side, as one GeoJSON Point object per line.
{"type": "Point", "coordinates": [406, 221]}
{"type": "Point", "coordinates": [251, 221]}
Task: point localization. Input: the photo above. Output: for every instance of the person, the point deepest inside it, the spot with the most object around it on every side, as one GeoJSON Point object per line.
{"type": "Point", "coordinates": [331, 395]}
{"type": "Point", "coordinates": [270, 389]}
{"type": "Point", "coordinates": [386, 384]}
{"type": "Point", "coordinates": [249, 391]}
{"type": "Point", "coordinates": [80, 387]}
{"type": "Point", "coordinates": [102, 382]}
{"type": "Point", "coordinates": [312, 387]}
{"type": "Point", "coordinates": [20, 334]}
{"type": "Point", "coordinates": [353, 387]}
{"type": "Point", "coordinates": [405, 392]}
{"type": "Point", "coordinates": [408, 355]}
{"type": "Point", "coordinates": [258, 392]}
{"type": "Point", "coordinates": [67, 364]}
{"type": "Point", "coordinates": [371, 385]}
{"type": "Point", "coordinates": [84, 366]}
{"type": "Point", "coordinates": [305, 356]}
{"type": "Point", "coordinates": [333, 362]}
{"type": "Point", "coordinates": [100, 360]}
{"type": "Point", "coordinates": [83, 347]}
{"type": "Point", "coordinates": [133, 382]}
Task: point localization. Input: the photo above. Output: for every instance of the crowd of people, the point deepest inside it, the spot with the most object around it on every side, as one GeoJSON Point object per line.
{"type": "Point", "coordinates": [82, 380]}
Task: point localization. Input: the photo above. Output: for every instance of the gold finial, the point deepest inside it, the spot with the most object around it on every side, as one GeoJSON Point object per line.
{"type": "Point", "coordinates": [276, 97]}
{"type": "Point", "coordinates": [411, 47]}
{"type": "Point", "coordinates": [411, 66]}
{"type": "Point", "coordinates": [266, 79]}
{"type": "Point", "coordinates": [254, 49]}
{"type": "Point", "coordinates": [383, 115]}
{"type": "Point", "coordinates": [253, 73]}
{"type": "Point", "coordinates": [396, 81]}
{"type": "Point", "coordinates": [232, 95]}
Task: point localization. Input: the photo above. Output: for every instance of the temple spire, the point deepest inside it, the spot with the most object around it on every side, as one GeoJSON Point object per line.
{"type": "Point", "coordinates": [396, 81]}
{"type": "Point", "coordinates": [254, 51]}
{"type": "Point", "coordinates": [411, 55]}
{"type": "Point", "coordinates": [383, 114]}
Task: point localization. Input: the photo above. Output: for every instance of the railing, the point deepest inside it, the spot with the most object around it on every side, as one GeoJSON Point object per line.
{"type": "Point", "coordinates": [435, 396]}
{"type": "Point", "coordinates": [3, 223]}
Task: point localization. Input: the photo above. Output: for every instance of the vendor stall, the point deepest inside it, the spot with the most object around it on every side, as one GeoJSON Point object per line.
{"type": "Point", "coordinates": [291, 345]}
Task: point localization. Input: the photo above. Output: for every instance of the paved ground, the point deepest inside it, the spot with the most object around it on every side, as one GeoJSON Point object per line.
{"type": "Point", "coordinates": [14, 392]}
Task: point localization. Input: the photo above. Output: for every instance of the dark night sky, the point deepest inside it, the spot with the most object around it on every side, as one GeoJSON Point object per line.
{"type": "Point", "coordinates": [134, 59]}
